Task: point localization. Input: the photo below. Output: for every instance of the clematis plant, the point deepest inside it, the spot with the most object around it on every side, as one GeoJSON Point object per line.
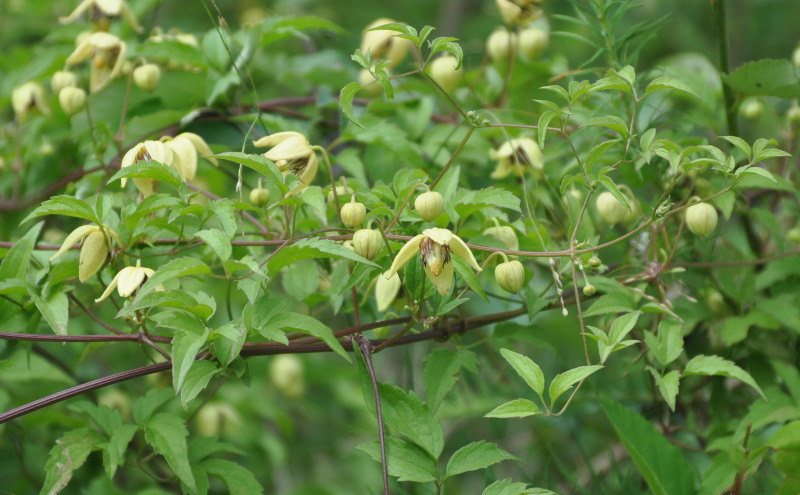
{"type": "Point", "coordinates": [128, 280]}
{"type": "Point", "coordinates": [292, 154]}
{"type": "Point", "coordinates": [108, 55]}
{"type": "Point", "coordinates": [436, 247]}
{"type": "Point", "coordinates": [101, 12]}
{"type": "Point", "coordinates": [516, 155]}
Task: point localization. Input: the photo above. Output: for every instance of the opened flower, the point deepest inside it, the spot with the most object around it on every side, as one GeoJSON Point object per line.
{"type": "Point", "coordinates": [108, 54]}
{"type": "Point", "coordinates": [292, 154]}
{"type": "Point", "coordinates": [128, 281]}
{"type": "Point", "coordinates": [515, 156]}
{"type": "Point", "coordinates": [101, 12]}
{"type": "Point", "coordinates": [150, 151]}
{"type": "Point", "coordinates": [386, 290]}
{"type": "Point", "coordinates": [94, 250]}
{"type": "Point", "coordinates": [186, 147]}
{"type": "Point", "coordinates": [436, 247]}
{"type": "Point", "coordinates": [27, 97]}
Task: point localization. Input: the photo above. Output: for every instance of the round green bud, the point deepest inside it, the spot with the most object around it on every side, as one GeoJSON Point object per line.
{"type": "Point", "coordinates": [501, 44]}
{"type": "Point", "coordinates": [259, 196]}
{"type": "Point", "coordinates": [147, 76]}
{"type": "Point", "coordinates": [353, 213]}
{"type": "Point", "coordinates": [510, 276]}
{"type": "Point", "coordinates": [701, 218]}
{"type": "Point", "coordinates": [367, 243]}
{"type": "Point", "coordinates": [532, 42]}
{"type": "Point", "coordinates": [429, 205]}
{"type": "Point", "coordinates": [595, 262]}
{"type": "Point", "coordinates": [610, 209]}
{"type": "Point", "coordinates": [794, 235]}
{"type": "Point", "coordinates": [589, 290]}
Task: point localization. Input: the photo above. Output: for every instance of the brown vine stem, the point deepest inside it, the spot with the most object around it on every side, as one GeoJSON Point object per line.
{"type": "Point", "coordinates": [33, 337]}
{"type": "Point", "coordinates": [366, 351]}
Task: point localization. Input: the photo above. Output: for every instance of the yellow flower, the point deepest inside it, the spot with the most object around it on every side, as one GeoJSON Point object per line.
{"type": "Point", "coordinates": [154, 151]}
{"type": "Point", "coordinates": [435, 247]}
{"type": "Point", "coordinates": [382, 44]}
{"type": "Point", "coordinates": [128, 281]}
{"type": "Point", "coordinates": [27, 97]}
{"type": "Point", "coordinates": [102, 11]}
{"type": "Point", "coordinates": [185, 148]}
{"type": "Point", "coordinates": [519, 12]}
{"type": "Point", "coordinates": [386, 290]}
{"type": "Point", "coordinates": [292, 154]}
{"type": "Point", "coordinates": [108, 55]}
{"type": "Point", "coordinates": [94, 249]}
{"type": "Point", "coordinates": [515, 156]}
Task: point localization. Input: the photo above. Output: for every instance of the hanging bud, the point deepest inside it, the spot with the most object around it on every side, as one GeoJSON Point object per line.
{"type": "Point", "coordinates": [386, 290]}
{"type": "Point", "coordinates": [504, 234]}
{"type": "Point", "coordinates": [532, 42]}
{"type": "Point", "coordinates": [259, 196]}
{"type": "Point", "coordinates": [794, 114]}
{"type": "Point", "coordinates": [610, 209]}
{"type": "Point", "coordinates": [94, 252]}
{"type": "Point", "coordinates": [340, 191]}
{"type": "Point", "coordinates": [701, 218]}
{"type": "Point", "coordinates": [429, 205]}
{"type": "Point", "coordinates": [286, 373]}
{"type": "Point", "coordinates": [367, 243]}
{"type": "Point", "coordinates": [752, 109]}
{"type": "Point", "coordinates": [589, 290]}
{"type": "Point", "coordinates": [353, 213]}
{"type": "Point", "coordinates": [794, 235]}
{"type": "Point", "coordinates": [63, 79]}
{"type": "Point", "coordinates": [594, 262]}
{"type": "Point", "coordinates": [147, 76]}
{"type": "Point", "coordinates": [501, 44]}
{"type": "Point", "coordinates": [369, 84]}
{"type": "Point", "coordinates": [27, 97]}
{"type": "Point", "coordinates": [510, 276]}
{"type": "Point", "coordinates": [215, 418]}
{"type": "Point", "coordinates": [796, 57]}
{"type": "Point", "coordinates": [446, 72]}
{"type": "Point", "coordinates": [72, 100]}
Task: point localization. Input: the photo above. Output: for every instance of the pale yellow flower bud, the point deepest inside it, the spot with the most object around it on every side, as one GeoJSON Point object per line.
{"type": "Point", "coordinates": [589, 290]}
{"type": "Point", "coordinates": [93, 255]}
{"type": "Point", "coordinates": [147, 76]}
{"type": "Point", "coordinates": [429, 205]}
{"type": "Point", "coordinates": [701, 218]}
{"type": "Point", "coordinates": [369, 84]}
{"type": "Point", "coordinates": [610, 209]}
{"type": "Point", "coordinates": [504, 234]}
{"type": "Point", "coordinates": [27, 97]}
{"type": "Point", "coordinates": [215, 418]}
{"type": "Point", "coordinates": [384, 44]}
{"type": "Point", "coordinates": [367, 243]}
{"type": "Point", "coordinates": [259, 196]}
{"type": "Point", "coordinates": [353, 213]}
{"type": "Point", "coordinates": [532, 42]}
{"type": "Point", "coordinates": [72, 100]}
{"type": "Point", "coordinates": [286, 373]}
{"type": "Point", "coordinates": [386, 290]}
{"type": "Point", "coordinates": [510, 276]}
{"type": "Point", "coordinates": [63, 79]}
{"type": "Point", "coordinates": [501, 44]}
{"type": "Point", "coordinates": [443, 70]}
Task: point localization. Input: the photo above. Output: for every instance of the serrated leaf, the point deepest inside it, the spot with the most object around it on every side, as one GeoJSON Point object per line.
{"type": "Point", "coordinates": [527, 369]}
{"type": "Point", "coordinates": [476, 455]}
{"type": "Point", "coordinates": [766, 78]}
{"type": "Point", "coordinates": [717, 366]}
{"type": "Point", "coordinates": [308, 325]}
{"type": "Point", "coordinates": [757, 171]}
{"type": "Point", "coordinates": [310, 249]}
{"type": "Point", "coordinates": [741, 144]}
{"type": "Point", "coordinates": [17, 259]}
{"type": "Point", "coordinates": [64, 205]}
{"type": "Point", "coordinates": [144, 407]}
{"type": "Point", "coordinates": [405, 461]}
{"type": "Point", "coordinates": [238, 479]}
{"type": "Point", "coordinates": [217, 241]}
{"type": "Point", "coordinates": [667, 385]}
{"type": "Point", "coordinates": [517, 408]}
{"type": "Point", "coordinates": [510, 487]}
{"type": "Point", "coordinates": [564, 381]}
{"type": "Point", "coordinates": [408, 415]}
{"type": "Point", "coordinates": [148, 170]}
{"type": "Point", "coordinates": [346, 102]}
{"type": "Point", "coordinates": [54, 309]}
{"type": "Point", "coordinates": [197, 380]}
{"type": "Point", "coordinates": [114, 451]}
{"type": "Point", "coordinates": [166, 433]}
{"type": "Point", "coordinates": [185, 346]}
{"type": "Point", "coordinates": [68, 454]}
{"type": "Point", "coordinates": [441, 373]}
{"type": "Point", "coordinates": [660, 463]}
{"type": "Point", "coordinates": [620, 328]}
{"type": "Point", "coordinates": [175, 298]}
{"type": "Point", "coordinates": [181, 267]}
{"type": "Point", "coordinates": [612, 122]}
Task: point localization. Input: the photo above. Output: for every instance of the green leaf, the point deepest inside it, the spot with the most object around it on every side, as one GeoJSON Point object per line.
{"type": "Point", "coordinates": [197, 380]}
{"type": "Point", "coordinates": [756, 171]}
{"type": "Point", "coordinates": [218, 241]}
{"type": "Point", "coordinates": [665, 82]}
{"type": "Point", "coordinates": [180, 267]}
{"type": "Point", "coordinates": [258, 163]}
{"type": "Point", "coordinates": [517, 408]}
{"type": "Point", "coordinates": [510, 487]}
{"type": "Point", "coordinates": [68, 454]}
{"type": "Point", "coordinates": [668, 385]}
{"type": "Point", "coordinates": [148, 170]}
{"type": "Point", "coordinates": [114, 452]}
{"type": "Point", "coordinates": [668, 345]}
{"type": "Point", "coordinates": [659, 462]}
{"type": "Point", "coordinates": [54, 309]}
{"type": "Point", "coordinates": [226, 216]}
{"type": "Point", "coordinates": [229, 341]}
{"type": "Point", "coordinates": [468, 275]}
{"type": "Point", "coordinates": [564, 381]}
{"type": "Point", "coordinates": [612, 122]}
{"type": "Point", "coordinates": [238, 479]}
{"type": "Point", "coordinates": [404, 460]}
{"type": "Point", "coordinates": [527, 369]}
{"type": "Point", "coordinates": [469, 201]}
{"type": "Point", "coordinates": [404, 412]}
{"type": "Point", "coordinates": [620, 328]}
{"type": "Point", "coordinates": [145, 406]}
{"type": "Point", "coordinates": [440, 375]}
{"type": "Point", "coordinates": [715, 365]}
{"type": "Point", "coordinates": [308, 325]}
{"type": "Point", "coordinates": [766, 78]}
{"type": "Point", "coordinates": [64, 205]}
{"type": "Point", "coordinates": [477, 455]}
{"type": "Point", "coordinates": [170, 50]}
{"type": "Point", "coordinates": [346, 102]}
{"type": "Point", "coordinates": [613, 189]}
{"type": "Point", "coordinates": [741, 144]}
{"type": "Point", "coordinates": [166, 433]}
{"type": "Point", "coordinates": [309, 249]}
{"type": "Point", "coordinates": [17, 260]}
{"type": "Point", "coordinates": [277, 28]}
{"type": "Point", "coordinates": [185, 346]}
{"type": "Point", "coordinates": [175, 298]}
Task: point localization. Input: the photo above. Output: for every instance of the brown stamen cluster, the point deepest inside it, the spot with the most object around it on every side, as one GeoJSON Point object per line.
{"type": "Point", "coordinates": [433, 255]}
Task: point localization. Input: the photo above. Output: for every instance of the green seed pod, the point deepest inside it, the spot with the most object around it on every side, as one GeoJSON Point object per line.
{"type": "Point", "coordinates": [72, 100]}
{"type": "Point", "coordinates": [147, 76]}
{"type": "Point", "coordinates": [701, 218]}
{"type": "Point", "coordinates": [510, 276]}
{"type": "Point", "coordinates": [595, 262]}
{"type": "Point", "coordinates": [367, 243]}
{"type": "Point", "coordinates": [610, 209]}
{"type": "Point", "coordinates": [752, 109]}
{"type": "Point", "coordinates": [259, 196]}
{"type": "Point", "coordinates": [353, 213]}
{"type": "Point", "coordinates": [589, 290]}
{"type": "Point", "coordinates": [429, 205]}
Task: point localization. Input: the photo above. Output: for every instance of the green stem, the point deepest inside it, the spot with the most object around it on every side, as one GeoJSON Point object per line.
{"type": "Point", "coordinates": [720, 13]}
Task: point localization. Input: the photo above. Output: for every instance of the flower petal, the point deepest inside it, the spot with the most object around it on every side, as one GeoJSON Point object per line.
{"type": "Point", "coordinates": [200, 146]}
{"type": "Point", "coordinates": [407, 252]}
{"type": "Point", "coordinates": [93, 255]}
{"type": "Point", "coordinates": [184, 160]}
{"type": "Point", "coordinates": [386, 290]}
{"type": "Point", "coordinates": [439, 236]}
{"type": "Point", "coordinates": [73, 238]}
{"type": "Point", "coordinates": [289, 149]}
{"type": "Point", "coordinates": [111, 287]}
{"type": "Point", "coordinates": [80, 9]}
{"type": "Point", "coordinates": [461, 249]}
{"type": "Point", "coordinates": [81, 53]}
{"type": "Point", "coordinates": [130, 278]}
{"type": "Point", "coordinates": [274, 139]}
{"type": "Point", "coordinates": [444, 280]}
{"type": "Point", "coordinates": [111, 8]}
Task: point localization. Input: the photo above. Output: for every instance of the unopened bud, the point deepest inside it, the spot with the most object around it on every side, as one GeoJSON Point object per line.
{"type": "Point", "coordinates": [259, 196]}
{"type": "Point", "coordinates": [72, 100]}
{"type": "Point", "coordinates": [504, 234]}
{"type": "Point", "coordinates": [701, 218]}
{"type": "Point", "coordinates": [610, 209]}
{"type": "Point", "coordinates": [286, 373]}
{"type": "Point", "coordinates": [594, 262]}
{"type": "Point", "coordinates": [443, 71]}
{"type": "Point", "coordinates": [147, 76]}
{"type": "Point", "coordinates": [510, 276]}
{"type": "Point", "coordinates": [367, 243]}
{"type": "Point", "coordinates": [353, 213]}
{"type": "Point", "coordinates": [94, 252]}
{"type": "Point", "coordinates": [589, 290]}
{"type": "Point", "coordinates": [429, 205]}
{"type": "Point", "coordinates": [501, 44]}
{"type": "Point", "coordinates": [63, 79]}
{"type": "Point", "coordinates": [532, 42]}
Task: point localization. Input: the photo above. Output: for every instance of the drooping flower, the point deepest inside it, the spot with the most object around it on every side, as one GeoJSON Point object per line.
{"type": "Point", "coordinates": [515, 156]}
{"type": "Point", "coordinates": [519, 12]}
{"type": "Point", "coordinates": [436, 247]}
{"type": "Point", "coordinates": [185, 148]}
{"type": "Point", "coordinates": [27, 97]}
{"type": "Point", "coordinates": [128, 280]}
{"type": "Point", "coordinates": [383, 44]}
{"type": "Point", "coordinates": [108, 55]}
{"type": "Point", "coordinates": [292, 154]}
{"type": "Point", "coordinates": [102, 11]}
{"type": "Point", "coordinates": [94, 250]}
{"type": "Point", "coordinates": [386, 290]}
{"type": "Point", "coordinates": [151, 151]}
